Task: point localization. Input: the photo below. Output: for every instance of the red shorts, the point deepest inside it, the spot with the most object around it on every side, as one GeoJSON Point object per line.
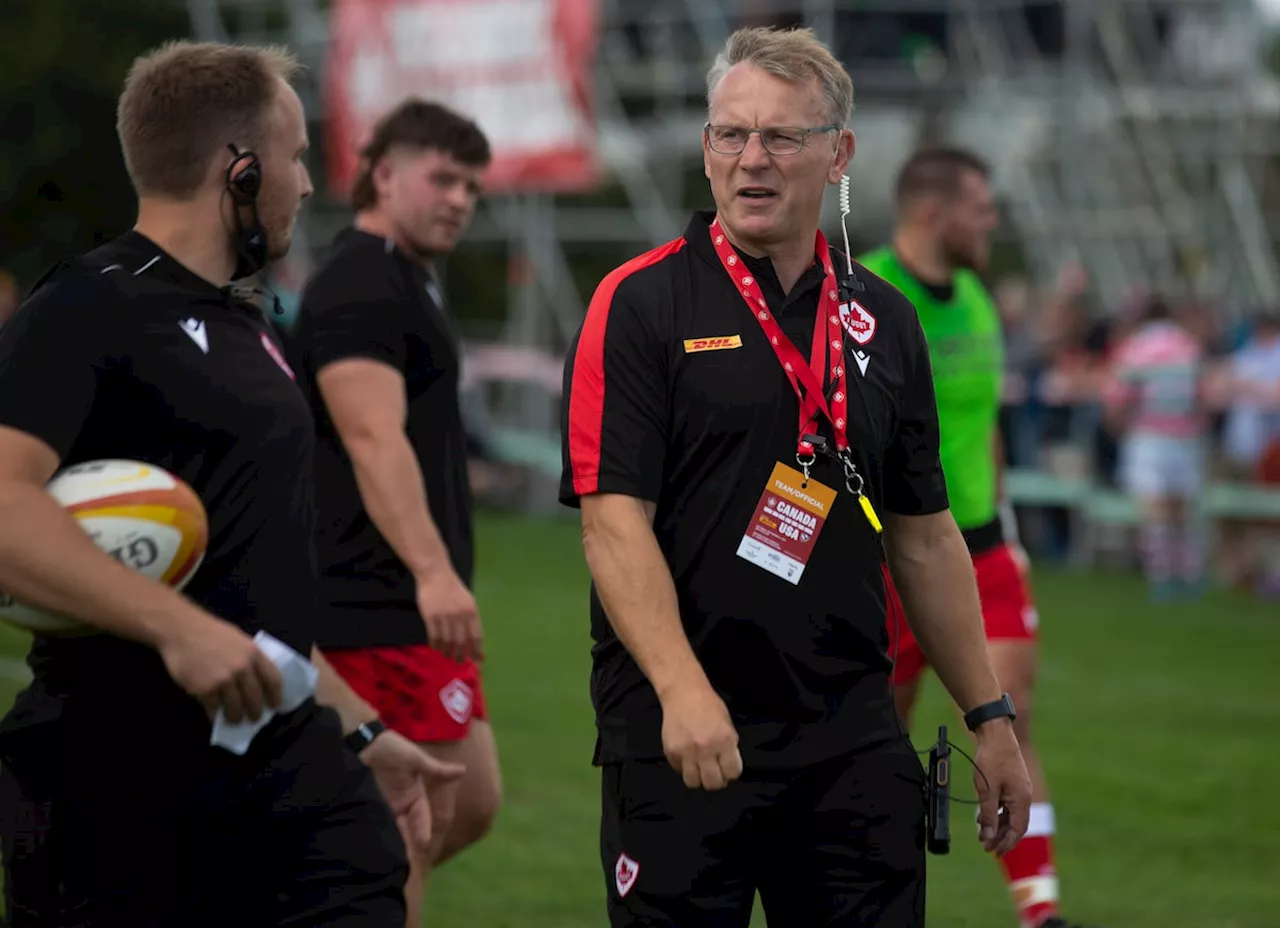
{"type": "Point", "coordinates": [1008, 611]}
{"type": "Point", "coordinates": [417, 691]}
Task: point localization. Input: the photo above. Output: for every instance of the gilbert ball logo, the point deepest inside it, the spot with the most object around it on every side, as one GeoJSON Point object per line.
{"type": "Point", "coordinates": [859, 324]}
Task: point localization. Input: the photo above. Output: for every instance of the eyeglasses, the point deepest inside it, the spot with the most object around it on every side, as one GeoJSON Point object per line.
{"type": "Point", "coordinates": [777, 140]}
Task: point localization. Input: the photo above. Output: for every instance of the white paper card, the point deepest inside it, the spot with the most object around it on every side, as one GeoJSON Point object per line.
{"type": "Point", "coordinates": [299, 679]}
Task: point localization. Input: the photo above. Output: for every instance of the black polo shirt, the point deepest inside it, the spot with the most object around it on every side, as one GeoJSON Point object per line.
{"type": "Point", "coordinates": [370, 300]}
{"type": "Point", "coordinates": [802, 668]}
{"type": "Point", "coordinates": [124, 353]}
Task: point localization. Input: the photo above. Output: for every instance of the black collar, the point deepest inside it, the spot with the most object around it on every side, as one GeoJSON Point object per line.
{"type": "Point", "coordinates": [697, 236]}
{"type": "Point", "coordinates": [150, 261]}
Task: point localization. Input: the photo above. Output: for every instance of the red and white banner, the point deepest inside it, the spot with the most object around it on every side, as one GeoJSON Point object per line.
{"type": "Point", "coordinates": [522, 69]}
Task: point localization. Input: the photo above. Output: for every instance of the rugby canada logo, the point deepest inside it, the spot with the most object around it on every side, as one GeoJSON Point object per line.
{"type": "Point", "coordinates": [624, 875]}
{"type": "Point", "coordinates": [456, 699]}
{"type": "Point", "coordinates": [858, 323]}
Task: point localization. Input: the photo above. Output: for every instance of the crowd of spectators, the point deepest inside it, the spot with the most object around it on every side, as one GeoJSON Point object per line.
{"type": "Point", "coordinates": [1059, 346]}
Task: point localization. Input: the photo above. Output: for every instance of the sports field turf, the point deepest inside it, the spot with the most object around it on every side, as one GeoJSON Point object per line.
{"type": "Point", "coordinates": [1159, 728]}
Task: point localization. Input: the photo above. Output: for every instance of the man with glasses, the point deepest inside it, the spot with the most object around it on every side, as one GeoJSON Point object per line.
{"type": "Point", "coordinates": [742, 409]}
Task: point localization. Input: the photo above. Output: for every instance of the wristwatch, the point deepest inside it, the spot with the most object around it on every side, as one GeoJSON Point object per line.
{"type": "Point", "coordinates": [363, 736]}
{"type": "Point", "coordinates": [997, 709]}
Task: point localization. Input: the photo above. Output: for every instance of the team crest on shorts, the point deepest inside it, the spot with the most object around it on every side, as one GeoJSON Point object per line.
{"type": "Point", "coordinates": [276, 356]}
{"type": "Point", "coordinates": [625, 872]}
{"type": "Point", "coordinates": [858, 324]}
{"type": "Point", "coordinates": [456, 697]}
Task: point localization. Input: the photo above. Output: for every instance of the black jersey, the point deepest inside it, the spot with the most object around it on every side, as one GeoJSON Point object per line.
{"type": "Point", "coordinates": [125, 353]}
{"type": "Point", "coordinates": [372, 301]}
{"type": "Point", "coordinates": [650, 413]}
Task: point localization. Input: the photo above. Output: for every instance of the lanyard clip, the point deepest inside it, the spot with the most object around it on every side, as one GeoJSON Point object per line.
{"type": "Point", "coordinates": [806, 461]}
{"type": "Point", "coordinates": [819, 443]}
{"type": "Point", "coordinates": [854, 484]}
{"type": "Point", "coordinates": [852, 479]}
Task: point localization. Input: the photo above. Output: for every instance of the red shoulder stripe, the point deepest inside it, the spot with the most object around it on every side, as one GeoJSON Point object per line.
{"type": "Point", "coordinates": [587, 386]}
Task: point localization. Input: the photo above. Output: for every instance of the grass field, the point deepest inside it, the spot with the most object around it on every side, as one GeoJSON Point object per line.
{"type": "Point", "coordinates": [1159, 728]}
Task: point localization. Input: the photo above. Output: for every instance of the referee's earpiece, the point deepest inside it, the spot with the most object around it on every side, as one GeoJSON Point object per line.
{"type": "Point", "coordinates": [244, 176]}
{"type": "Point", "coordinates": [244, 183]}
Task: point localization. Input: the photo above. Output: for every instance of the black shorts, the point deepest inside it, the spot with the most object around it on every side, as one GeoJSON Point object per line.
{"type": "Point", "coordinates": [837, 844]}
{"type": "Point", "coordinates": [295, 833]}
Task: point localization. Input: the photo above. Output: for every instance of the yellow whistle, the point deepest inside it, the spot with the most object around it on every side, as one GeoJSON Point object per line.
{"type": "Point", "coordinates": [869, 511]}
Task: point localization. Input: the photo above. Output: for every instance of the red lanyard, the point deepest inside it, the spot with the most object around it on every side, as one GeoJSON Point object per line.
{"type": "Point", "coordinates": [807, 377]}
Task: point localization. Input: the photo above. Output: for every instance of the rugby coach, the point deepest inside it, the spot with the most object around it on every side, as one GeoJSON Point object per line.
{"type": "Point", "coordinates": [741, 412]}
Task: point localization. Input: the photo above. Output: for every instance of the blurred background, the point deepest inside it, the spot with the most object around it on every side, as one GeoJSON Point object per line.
{"type": "Point", "coordinates": [1136, 150]}
{"type": "Point", "coordinates": [1134, 145]}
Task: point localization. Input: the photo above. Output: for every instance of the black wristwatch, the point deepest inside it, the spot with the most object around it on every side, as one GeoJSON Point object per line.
{"type": "Point", "coordinates": [998, 709]}
{"type": "Point", "coordinates": [363, 736]}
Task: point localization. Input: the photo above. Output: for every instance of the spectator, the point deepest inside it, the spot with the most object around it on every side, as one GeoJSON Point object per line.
{"type": "Point", "coordinates": [1253, 414]}
{"type": "Point", "coordinates": [1269, 572]}
{"type": "Point", "coordinates": [1013, 298]}
{"type": "Point", "coordinates": [1251, 438]}
{"type": "Point", "coordinates": [1153, 400]}
{"type": "Point", "coordinates": [1063, 381]}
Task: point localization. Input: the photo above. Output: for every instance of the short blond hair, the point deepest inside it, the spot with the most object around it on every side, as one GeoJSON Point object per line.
{"type": "Point", "coordinates": [793, 55]}
{"type": "Point", "coordinates": [184, 101]}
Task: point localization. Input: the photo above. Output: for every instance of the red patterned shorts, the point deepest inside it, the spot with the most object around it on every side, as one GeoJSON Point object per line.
{"type": "Point", "coordinates": [417, 691]}
{"type": "Point", "coordinates": [1008, 611]}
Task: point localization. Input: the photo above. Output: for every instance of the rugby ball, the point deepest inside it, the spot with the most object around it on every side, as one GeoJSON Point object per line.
{"type": "Point", "coordinates": [140, 514]}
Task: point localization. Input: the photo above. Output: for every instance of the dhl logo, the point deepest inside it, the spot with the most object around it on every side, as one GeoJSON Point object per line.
{"type": "Point", "coordinates": [712, 344]}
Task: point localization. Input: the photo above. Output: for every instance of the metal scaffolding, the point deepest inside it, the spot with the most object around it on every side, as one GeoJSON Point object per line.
{"type": "Point", "coordinates": [1145, 149]}
{"type": "Point", "coordinates": [1135, 136]}
{"type": "Point", "coordinates": [1138, 143]}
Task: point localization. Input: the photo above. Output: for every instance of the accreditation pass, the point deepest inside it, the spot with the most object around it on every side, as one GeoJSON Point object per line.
{"type": "Point", "coordinates": [787, 520]}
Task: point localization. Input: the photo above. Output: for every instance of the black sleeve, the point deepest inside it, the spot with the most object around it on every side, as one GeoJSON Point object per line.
{"type": "Point", "coordinates": [350, 311]}
{"type": "Point", "coordinates": [52, 359]}
{"type": "Point", "coordinates": [614, 405]}
{"type": "Point", "coordinates": [913, 481]}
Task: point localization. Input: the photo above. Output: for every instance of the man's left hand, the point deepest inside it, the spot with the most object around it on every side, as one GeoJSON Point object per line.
{"type": "Point", "coordinates": [403, 770]}
{"type": "Point", "coordinates": [1004, 794]}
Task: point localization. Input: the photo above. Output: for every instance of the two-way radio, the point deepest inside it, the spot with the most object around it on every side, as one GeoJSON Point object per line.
{"type": "Point", "coordinates": [938, 792]}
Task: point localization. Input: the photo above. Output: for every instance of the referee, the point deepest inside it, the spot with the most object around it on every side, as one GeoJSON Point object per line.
{"type": "Point", "coordinates": [741, 413]}
{"type": "Point", "coordinates": [114, 807]}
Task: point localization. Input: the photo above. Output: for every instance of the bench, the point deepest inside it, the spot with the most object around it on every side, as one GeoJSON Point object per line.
{"type": "Point", "coordinates": [1094, 507]}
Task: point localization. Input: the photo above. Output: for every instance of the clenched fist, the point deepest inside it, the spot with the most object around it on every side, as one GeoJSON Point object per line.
{"type": "Point", "coordinates": [698, 737]}
{"type": "Point", "coordinates": [220, 665]}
